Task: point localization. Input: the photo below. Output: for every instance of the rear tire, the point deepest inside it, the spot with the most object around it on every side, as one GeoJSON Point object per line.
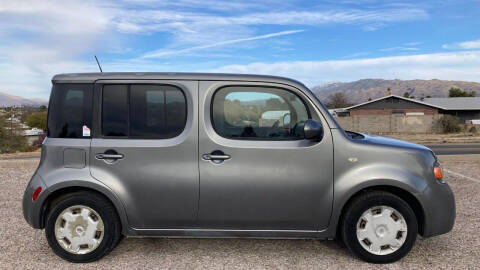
{"type": "Point", "coordinates": [379, 219]}
{"type": "Point", "coordinates": [97, 229]}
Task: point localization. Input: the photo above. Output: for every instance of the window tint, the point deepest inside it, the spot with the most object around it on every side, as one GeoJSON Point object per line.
{"type": "Point", "coordinates": [70, 110]}
{"type": "Point", "coordinates": [115, 110]}
{"type": "Point", "coordinates": [258, 113]}
{"type": "Point", "coordinates": [153, 111]}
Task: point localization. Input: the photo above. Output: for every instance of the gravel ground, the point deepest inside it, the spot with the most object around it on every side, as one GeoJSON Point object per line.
{"type": "Point", "coordinates": [26, 248]}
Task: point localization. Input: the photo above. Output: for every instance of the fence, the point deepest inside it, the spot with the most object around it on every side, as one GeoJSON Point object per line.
{"type": "Point", "coordinates": [391, 123]}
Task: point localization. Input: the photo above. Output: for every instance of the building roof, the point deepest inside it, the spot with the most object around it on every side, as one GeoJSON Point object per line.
{"type": "Point", "coordinates": [447, 104]}
{"type": "Point", "coordinates": [458, 103]}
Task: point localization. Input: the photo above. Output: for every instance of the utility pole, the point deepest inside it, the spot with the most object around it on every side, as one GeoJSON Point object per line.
{"type": "Point", "coordinates": [11, 120]}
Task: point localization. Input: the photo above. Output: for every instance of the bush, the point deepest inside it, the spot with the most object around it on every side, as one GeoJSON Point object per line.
{"type": "Point", "coordinates": [14, 143]}
{"type": "Point", "coordinates": [11, 142]}
{"type": "Point", "coordinates": [449, 124]}
{"type": "Point", "coordinates": [473, 129]}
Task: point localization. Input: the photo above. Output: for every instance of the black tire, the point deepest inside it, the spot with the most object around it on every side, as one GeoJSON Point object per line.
{"type": "Point", "coordinates": [363, 202]}
{"type": "Point", "coordinates": [112, 226]}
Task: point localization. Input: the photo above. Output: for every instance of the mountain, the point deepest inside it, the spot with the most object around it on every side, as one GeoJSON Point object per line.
{"type": "Point", "coordinates": [361, 90]}
{"type": "Point", "coordinates": [10, 100]}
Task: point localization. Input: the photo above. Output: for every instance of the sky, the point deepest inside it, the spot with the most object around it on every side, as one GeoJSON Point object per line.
{"type": "Point", "coordinates": [315, 42]}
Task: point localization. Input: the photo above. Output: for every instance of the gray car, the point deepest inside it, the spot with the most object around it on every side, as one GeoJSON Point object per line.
{"type": "Point", "coordinates": [223, 155]}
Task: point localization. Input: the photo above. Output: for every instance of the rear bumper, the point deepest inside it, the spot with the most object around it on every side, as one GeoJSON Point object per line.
{"type": "Point", "coordinates": [32, 210]}
{"type": "Point", "coordinates": [439, 209]}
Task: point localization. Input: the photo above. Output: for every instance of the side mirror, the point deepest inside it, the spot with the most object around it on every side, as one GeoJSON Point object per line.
{"type": "Point", "coordinates": [313, 130]}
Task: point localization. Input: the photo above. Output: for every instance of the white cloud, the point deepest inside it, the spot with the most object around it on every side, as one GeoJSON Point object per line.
{"type": "Point", "coordinates": [189, 22]}
{"type": "Point", "coordinates": [399, 48]}
{"type": "Point", "coordinates": [168, 53]}
{"type": "Point", "coordinates": [217, 5]}
{"type": "Point", "coordinates": [413, 43]}
{"type": "Point", "coordinates": [355, 55]}
{"type": "Point", "coordinates": [41, 38]}
{"type": "Point", "coordinates": [53, 17]}
{"type": "Point", "coordinates": [463, 65]}
{"type": "Point", "coordinates": [466, 45]}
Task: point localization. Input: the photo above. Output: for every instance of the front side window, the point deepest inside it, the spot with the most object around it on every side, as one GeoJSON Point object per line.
{"type": "Point", "coordinates": [70, 111]}
{"type": "Point", "coordinates": [258, 113]}
{"type": "Point", "coordinates": [143, 111]}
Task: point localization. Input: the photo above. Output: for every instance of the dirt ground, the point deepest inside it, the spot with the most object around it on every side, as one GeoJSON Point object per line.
{"type": "Point", "coordinates": [22, 247]}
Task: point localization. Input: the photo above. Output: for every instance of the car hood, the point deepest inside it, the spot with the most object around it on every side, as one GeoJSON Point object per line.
{"type": "Point", "coordinates": [392, 142]}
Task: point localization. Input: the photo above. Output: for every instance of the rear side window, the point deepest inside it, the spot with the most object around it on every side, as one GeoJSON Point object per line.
{"type": "Point", "coordinates": [70, 111]}
{"type": "Point", "coordinates": [143, 111]}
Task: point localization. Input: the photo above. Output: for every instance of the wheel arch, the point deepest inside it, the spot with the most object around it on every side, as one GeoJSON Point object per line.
{"type": "Point", "coordinates": [404, 194]}
{"type": "Point", "coordinates": [57, 191]}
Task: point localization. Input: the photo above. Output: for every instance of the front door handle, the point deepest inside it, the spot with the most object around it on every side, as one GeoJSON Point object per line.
{"type": "Point", "coordinates": [216, 156]}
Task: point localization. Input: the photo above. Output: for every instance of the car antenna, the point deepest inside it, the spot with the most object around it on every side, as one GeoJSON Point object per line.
{"type": "Point", "coordinates": [98, 63]}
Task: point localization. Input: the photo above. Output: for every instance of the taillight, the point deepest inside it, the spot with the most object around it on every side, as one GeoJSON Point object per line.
{"type": "Point", "coordinates": [36, 193]}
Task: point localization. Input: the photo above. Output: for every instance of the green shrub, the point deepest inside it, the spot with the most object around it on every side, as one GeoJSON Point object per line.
{"type": "Point", "coordinates": [449, 124]}
{"type": "Point", "coordinates": [473, 129]}
{"type": "Point", "coordinates": [11, 142]}
{"type": "Point", "coordinates": [14, 143]}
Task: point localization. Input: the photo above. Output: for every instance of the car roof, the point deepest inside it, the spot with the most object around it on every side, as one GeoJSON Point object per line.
{"type": "Point", "coordinates": [92, 77]}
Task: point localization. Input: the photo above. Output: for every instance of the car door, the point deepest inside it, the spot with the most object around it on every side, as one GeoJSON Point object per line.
{"type": "Point", "coordinates": [257, 172]}
{"type": "Point", "coordinates": [145, 148]}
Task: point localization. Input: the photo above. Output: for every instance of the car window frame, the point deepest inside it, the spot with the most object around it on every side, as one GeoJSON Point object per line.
{"type": "Point", "coordinates": [267, 139]}
{"type": "Point", "coordinates": [91, 116]}
{"type": "Point", "coordinates": [129, 84]}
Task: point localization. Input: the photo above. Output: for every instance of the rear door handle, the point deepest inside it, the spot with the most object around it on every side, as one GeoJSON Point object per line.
{"type": "Point", "coordinates": [109, 156]}
{"type": "Point", "coordinates": [215, 157]}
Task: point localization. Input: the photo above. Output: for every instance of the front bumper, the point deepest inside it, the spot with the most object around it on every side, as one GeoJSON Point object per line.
{"type": "Point", "coordinates": [439, 209]}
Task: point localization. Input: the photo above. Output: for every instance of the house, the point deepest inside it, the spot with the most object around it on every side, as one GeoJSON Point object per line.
{"type": "Point", "coordinates": [340, 112]}
{"type": "Point", "coordinates": [269, 118]}
{"type": "Point", "coordinates": [465, 108]}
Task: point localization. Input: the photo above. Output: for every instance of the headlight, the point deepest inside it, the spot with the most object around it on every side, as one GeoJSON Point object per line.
{"type": "Point", "coordinates": [437, 172]}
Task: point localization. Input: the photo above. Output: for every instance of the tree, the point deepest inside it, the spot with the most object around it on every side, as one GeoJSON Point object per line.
{"type": "Point", "coordinates": [457, 92]}
{"type": "Point", "coordinates": [38, 120]}
{"type": "Point", "coordinates": [11, 141]}
{"type": "Point", "coordinates": [406, 95]}
{"type": "Point", "coordinates": [338, 100]}
{"type": "Point", "coordinates": [275, 104]}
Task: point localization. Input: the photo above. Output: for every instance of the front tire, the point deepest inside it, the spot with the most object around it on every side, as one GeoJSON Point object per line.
{"type": "Point", "coordinates": [379, 227]}
{"type": "Point", "coordinates": [82, 227]}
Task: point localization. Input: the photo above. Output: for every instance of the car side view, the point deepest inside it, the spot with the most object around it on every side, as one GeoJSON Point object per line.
{"type": "Point", "coordinates": [223, 155]}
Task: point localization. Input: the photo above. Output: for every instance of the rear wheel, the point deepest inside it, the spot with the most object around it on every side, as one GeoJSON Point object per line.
{"type": "Point", "coordinates": [379, 227]}
{"type": "Point", "coordinates": [82, 227]}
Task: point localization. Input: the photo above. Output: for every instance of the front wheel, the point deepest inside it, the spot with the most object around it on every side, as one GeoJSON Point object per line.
{"type": "Point", "coordinates": [82, 227]}
{"type": "Point", "coordinates": [379, 227]}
